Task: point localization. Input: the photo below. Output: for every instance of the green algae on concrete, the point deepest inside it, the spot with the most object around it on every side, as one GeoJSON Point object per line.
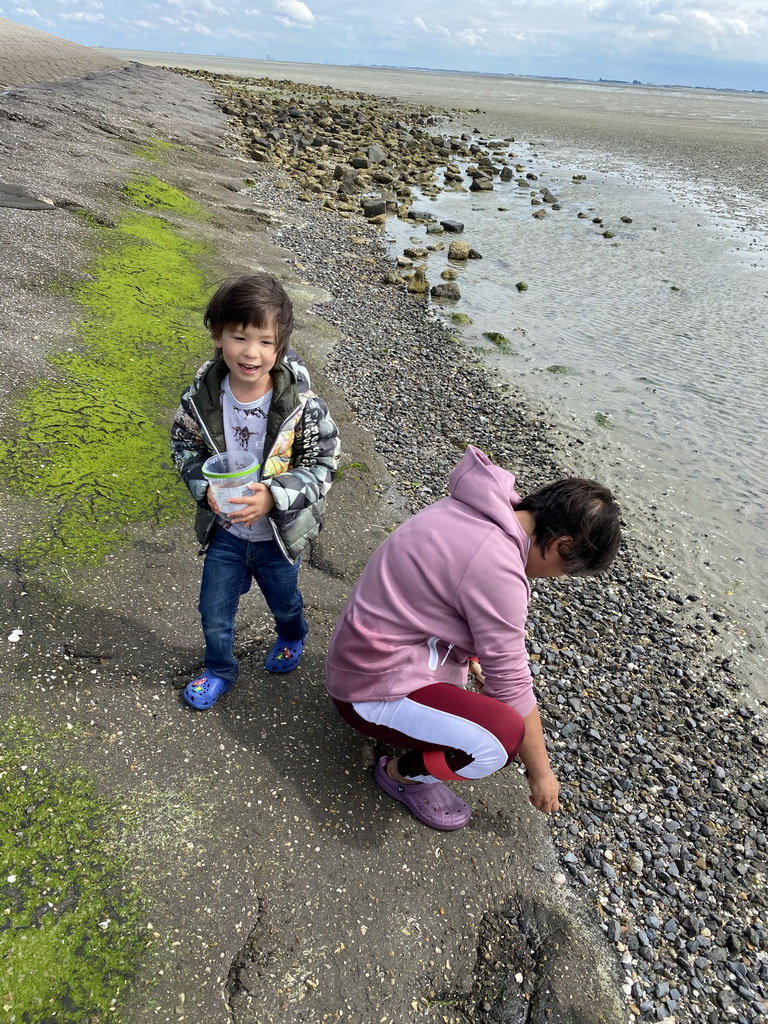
{"type": "Point", "coordinates": [91, 452]}
{"type": "Point", "coordinates": [155, 149]}
{"type": "Point", "coordinates": [72, 926]}
{"type": "Point", "coordinates": [150, 193]}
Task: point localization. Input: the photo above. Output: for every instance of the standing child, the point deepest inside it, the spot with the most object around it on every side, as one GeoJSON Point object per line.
{"type": "Point", "coordinates": [446, 590]}
{"type": "Point", "coordinates": [254, 396]}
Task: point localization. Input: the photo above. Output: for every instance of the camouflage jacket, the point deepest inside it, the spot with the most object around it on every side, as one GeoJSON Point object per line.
{"type": "Point", "coordinates": [301, 450]}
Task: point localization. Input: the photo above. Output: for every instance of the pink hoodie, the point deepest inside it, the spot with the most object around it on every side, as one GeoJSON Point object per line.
{"type": "Point", "coordinates": [446, 584]}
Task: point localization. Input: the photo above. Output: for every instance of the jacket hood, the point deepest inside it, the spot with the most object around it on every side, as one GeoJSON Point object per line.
{"type": "Point", "coordinates": [488, 489]}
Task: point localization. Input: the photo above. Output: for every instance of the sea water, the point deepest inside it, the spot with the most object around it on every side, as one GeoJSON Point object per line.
{"type": "Point", "coordinates": [649, 348]}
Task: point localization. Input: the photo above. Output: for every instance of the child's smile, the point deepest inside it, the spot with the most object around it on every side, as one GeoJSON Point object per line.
{"type": "Point", "coordinates": [249, 353]}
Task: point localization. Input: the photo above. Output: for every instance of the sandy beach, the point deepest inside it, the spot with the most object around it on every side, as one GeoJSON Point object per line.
{"type": "Point", "coordinates": [277, 884]}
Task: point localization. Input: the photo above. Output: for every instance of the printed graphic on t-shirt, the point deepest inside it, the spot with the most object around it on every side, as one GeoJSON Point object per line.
{"type": "Point", "coordinates": [243, 432]}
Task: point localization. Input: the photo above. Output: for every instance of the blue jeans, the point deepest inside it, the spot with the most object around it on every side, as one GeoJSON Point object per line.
{"type": "Point", "coordinates": [230, 565]}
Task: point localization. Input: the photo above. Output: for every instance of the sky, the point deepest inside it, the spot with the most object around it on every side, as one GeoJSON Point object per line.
{"type": "Point", "coordinates": [710, 43]}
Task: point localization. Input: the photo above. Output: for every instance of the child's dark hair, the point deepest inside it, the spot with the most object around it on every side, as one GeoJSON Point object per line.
{"type": "Point", "coordinates": [254, 300]}
{"type": "Point", "coordinates": [583, 510]}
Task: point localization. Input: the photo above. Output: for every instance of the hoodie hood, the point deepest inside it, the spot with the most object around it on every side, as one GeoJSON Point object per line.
{"type": "Point", "coordinates": [488, 489]}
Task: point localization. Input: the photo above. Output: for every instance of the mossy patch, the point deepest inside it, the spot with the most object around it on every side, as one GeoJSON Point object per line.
{"type": "Point", "coordinates": [502, 343]}
{"type": "Point", "coordinates": [156, 150]}
{"type": "Point", "coordinates": [72, 925]}
{"type": "Point", "coordinates": [461, 319]}
{"type": "Point", "coordinates": [150, 193]}
{"type": "Point", "coordinates": [602, 420]}
{"type": "Point", "coordinates": [347, 467]}
{"type": "Point", "coordinates": [91, 453]}
{"type": "Point", "coordinates": [557, 368]}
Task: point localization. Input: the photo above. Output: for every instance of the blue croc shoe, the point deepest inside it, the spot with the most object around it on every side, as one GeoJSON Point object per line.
{"type": "Point", "coordinates": [203, 692]}
{"type": "Point", "coordinates": [284, 656]}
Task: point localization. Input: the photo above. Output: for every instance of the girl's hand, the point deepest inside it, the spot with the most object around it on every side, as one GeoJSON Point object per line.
{"type": "Point", "coordinates": [544, 791]}
{"type": "Point", "coordinates": [476, 671]}
{"type": "Point", "coordinates": [253, 508]}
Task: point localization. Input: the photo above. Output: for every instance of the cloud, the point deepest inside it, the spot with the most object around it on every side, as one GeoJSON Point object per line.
{"type": "Point", "coordinates": [295, 12]}
{"type": "Point", "coordinates": [30, 12]}
{"type": "Point", "coordinates": [471, 37]}
{"type": "Point", "coordinates": [82, 16]}
{"type": "Point", "coordinates": [202, 29]}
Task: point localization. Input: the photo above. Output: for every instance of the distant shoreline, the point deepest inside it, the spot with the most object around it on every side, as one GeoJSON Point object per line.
{"type": "Point", "coordinates": [635, 84]}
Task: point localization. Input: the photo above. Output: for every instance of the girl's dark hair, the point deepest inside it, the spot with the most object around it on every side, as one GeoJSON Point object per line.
{"type": "Point", "coordinates": [582, 510]}
{"type": "Point", "coordinates": [255, 300]}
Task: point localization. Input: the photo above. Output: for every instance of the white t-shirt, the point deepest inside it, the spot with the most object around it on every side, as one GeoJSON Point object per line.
{"type": "Point", "coordinates": [245, 427]}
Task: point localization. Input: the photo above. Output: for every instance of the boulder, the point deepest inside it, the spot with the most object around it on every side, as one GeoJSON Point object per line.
{"type": "Point", "coordinates": [417, 282]}
{"type": "Point", "coordinates": [455, 227]}
{"type": "Point", "coordinates": [446, 291]}
{"type": "Point", "coordinates": [458, 251]}
{"type": "Point", "coordinates": [424, 215]}
{"type": "Point", "coordinates": [376, 154]}
{"type": "Point", "coordinates": [481, 185]}
{"type": "Point", "coordinates": [374, 207]}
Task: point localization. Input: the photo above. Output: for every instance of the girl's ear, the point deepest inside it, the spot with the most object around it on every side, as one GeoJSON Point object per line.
{"type": "Point", "coordinates": [564, 545]}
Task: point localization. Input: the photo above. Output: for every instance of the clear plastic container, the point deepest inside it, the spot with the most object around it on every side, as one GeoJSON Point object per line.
{"type": "Point", "coordinates": [229, 475]}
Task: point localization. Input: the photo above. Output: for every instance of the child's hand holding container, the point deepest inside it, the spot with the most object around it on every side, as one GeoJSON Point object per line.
{"type": "Point", "coordinates": [229, 475]}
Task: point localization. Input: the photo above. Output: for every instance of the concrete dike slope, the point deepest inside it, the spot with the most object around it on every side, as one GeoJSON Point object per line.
{"type": "Point", "coordinates": [28, 55]}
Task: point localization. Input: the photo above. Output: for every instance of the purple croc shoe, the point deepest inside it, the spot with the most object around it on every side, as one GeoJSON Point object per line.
{"type": "Point", "coordinates": [433, 803]}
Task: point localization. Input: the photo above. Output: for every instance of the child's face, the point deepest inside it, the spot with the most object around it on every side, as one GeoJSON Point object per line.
{"type": "Point", "coordinates": [249, 353]}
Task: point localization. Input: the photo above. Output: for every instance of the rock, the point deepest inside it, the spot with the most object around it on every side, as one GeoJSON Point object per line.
{"type": "Point", "coordinates": [375, 154]}
{"type": "Point", "coordinates": [521, 286]}
{"type": "Point", "coordinates": [454, 227]}
{"type": "Point", "coordinates": [417, 283]}
{"type": "Point", "coordinates": [424, 215]}
{"type": "Point", "coordinates": [538, 214]}
{"type": "Point", "coordinates": [445, 291]}
{"type": "Point", "coordinates": [374, 207]}
{"type": "Point", "coordinates": [449, 274]}
{"type": "Point", "coordinates": [481, 185]}
{"type": "Point", "coordinates": [458, 251]}
{"type": "Point", "coordinates": [473, 254]}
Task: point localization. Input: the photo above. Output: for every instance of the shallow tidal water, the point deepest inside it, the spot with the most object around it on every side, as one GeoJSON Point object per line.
{"type": "Point", "coordinates": [651, 346]}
